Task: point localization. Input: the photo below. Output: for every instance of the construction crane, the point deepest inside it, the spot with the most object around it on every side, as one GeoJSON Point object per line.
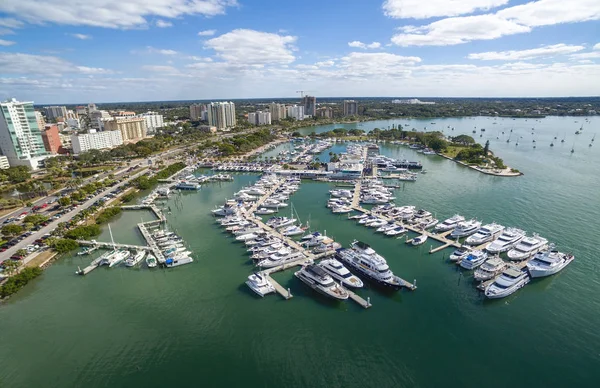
{"type": "Point", "coordinates": [302, 92]}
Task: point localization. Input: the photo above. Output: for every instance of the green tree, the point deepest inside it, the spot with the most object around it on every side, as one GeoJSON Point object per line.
{"type": "Point", "coordinates": [21, 252]}
{"type": "Point", "coordinates": [486, 148]}
{"type": "Point", "coordinates": [11, 230]}
{"type": "Point", "coordinates": [62, 245]}
{"type": "Point", "coordinates": [437, 144]}
{"type": "Point", "coordinates": [64, 201]}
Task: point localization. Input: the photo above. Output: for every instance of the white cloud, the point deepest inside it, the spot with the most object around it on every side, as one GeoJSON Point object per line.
{"type": "Point", "coordinates": [540, 52]}
{"type": "Point", "coordinates": [207, 33]}
{"type": "Point", "coordinates": [106, 13]}
{"type": "Point", "coordinates": [596, 46]}
{"type": "Point", "coordinates": [358, 44]}
{"type": "Point", "coordinates": [328, 63]}
{"type": "Point", "coordinates": [200, 59]}
{"type": "Point", "coordinates": [423, 9]}
{"type": "Point", "coordinates": [451, 31]}
{"type": "Point", "coordinates": [10, 22]}
{"type": "Point", "coordinates": [6, 43]}
{"type": "Point", "coordinates": [154, 50]}
{"type": "Point", "coordinates": [549, 12]}
{"type": "Point", "coordinates": [163, 24]}
{"type": "Point", "coordinates": [252, 47]}
{"type": "Point", "coordinates": [6, 31]}
{"type": "Point", "coordinates": [19, 63]}
{"type": "Point", "coordinates": [160, 69]}
{"type": "Point", "coordinates": [81, 36]}
{"type": "Point", "coordinates": [590, 55]}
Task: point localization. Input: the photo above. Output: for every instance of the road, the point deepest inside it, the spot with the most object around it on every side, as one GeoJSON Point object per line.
{"type": "Point", "coordinates": [65, 218]}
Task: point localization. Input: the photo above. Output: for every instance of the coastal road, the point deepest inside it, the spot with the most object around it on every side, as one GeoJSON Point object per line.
{"type": "Point", "coordinates": [65, 218]}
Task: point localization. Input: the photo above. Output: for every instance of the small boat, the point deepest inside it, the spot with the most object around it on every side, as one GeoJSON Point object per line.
{"type": "Point", "coordinates": [151, 261]}
{"type": "Point", "coordinates": [548, 263]}
{"type": "Point", "coordinates": [340, 273]}
{"type": "Point", "coordinates": [264, 211]}
{"type": "Point", "coordinates": [449, 223]}
{"type": "Point", "coordinates": [473, 260]}
{"type": "Point", "coordinates": [292, 230]}
{"type": "Point", "coordinates": [178, 260]}
{"type": "Point", "coordinates": [137, 258]}
{"type": "Point", "coordinates": [259, 283]}
{"type": "Point", "coordinates": [459, 253]}
{"type": "Point", "coordinates": [507, 283]}
{"type": "Point", "coordinates": [419, 240]}
{"type": "Point", "coordinates": [319, 280]}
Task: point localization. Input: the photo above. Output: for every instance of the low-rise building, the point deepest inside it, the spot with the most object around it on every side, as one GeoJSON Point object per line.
{"type": "Point", "coordinates": [51, 138]}
{"type": "Point", "coordinates": [207, 128]}
{"type": "Point", "coordinates": [4, 162]}
{"type": "Point", "coordinates": [96, 141]}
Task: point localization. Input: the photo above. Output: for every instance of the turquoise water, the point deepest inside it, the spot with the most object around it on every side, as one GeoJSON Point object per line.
{"type": "Point", "coordinates": [200, 325]}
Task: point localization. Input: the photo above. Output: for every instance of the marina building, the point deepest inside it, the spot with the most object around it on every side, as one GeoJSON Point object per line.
{"type": "Point", "coordinates": [345, 170]}
{"type": "Point", "coordinates": [350, 108]}
{"type": "Point", "coordinates": [51, 139]}
{"type": "Point", "coordinates": [132, 129]}
{"type": "Point", "coordinates": [259, 118]}
{"type": "Point", "coordinates": [20, 137]}
{"type": "Point", "coordinates": [310, 105]}
{"type": "Point", "coordinates": [221, 114]}
{"type": "Point", "coordinates": [296, 112]}
{"type": "Point", "coordinates": [96, 141]}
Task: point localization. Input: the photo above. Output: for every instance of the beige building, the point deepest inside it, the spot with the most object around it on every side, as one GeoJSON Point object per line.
{"type": "Point", "coordinates": [132, 130]}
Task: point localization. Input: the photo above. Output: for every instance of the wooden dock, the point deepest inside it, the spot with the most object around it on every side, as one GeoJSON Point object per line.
{"type": "Point", "coordinates": [280, 290]}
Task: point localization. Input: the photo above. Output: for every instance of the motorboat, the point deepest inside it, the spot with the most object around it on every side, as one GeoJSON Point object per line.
{"type": "Point", "coordinates": [459, 253]}
{"type": "Point", "coordinates": [384, 228]}
{"type": "Point", "coordinates": [178, 260]}
{"type": "Point", "coordinates": [328, 245]}
{"type": "Point", "coordinates": [259, 283]}
{"type": "Point", "coordinates": [490, 268]}
{"type": "Point", "coordinates": [137, 258]}
{"type": "Point", "coordinates": [419, 240]}
{"type": "Point", "coordinates": [226, 210]}
{"type": "Point", "coordinates": [449, 223]}
{"type": "Point", "coordinates": [341, 209]}
{"type": "Point", "coordinates": [280, 222]}
{"type": "Point", "coordinates": [292, 230]}
{"type": "Point", "coordinates": [118, 257]}
{"type": "Point", "coordinates": [273, 203]}
{"type": "Point", "coordinates": [465, 228]}
{"type": "Point", "coordinates": [376, 223]}
{"type": "Point", "coordinates": [369, 219]}
{"type": "Point", "coordinates": [311, 236]}
{"type": "Point", "coordinates": [396, 231]}
{"type": "Point", "coordinates": [485, 234]}
{"type": "Point", "coordinates": [422, 213]}
{"type": "Point", "coordinates": [427, 223]}
{"type": "Point", "coordinates": [369, 263]}
{"type": "Point", "coordinates": [506, 241]}
{"type": "Point", "coordinates": [359, 216]}
{"type": "Point", "coordinates": [271, 251]}
{"type": "Point", "coordinates": [151, 261]}
{"type": "Point", "coordinates": [264, 211]}
{"type": "Point", "coordinates": [507, 283]}
{"type": "Point", "coordinates": [319, 280]}
{"type": "Point", "coordinates": [527, 247]}
{"type": "Point", "coordinates": [548, 262]}
{"type": "Point", "coordinates": [341, 193]}
{"type": "Point", "coordinates": [248, 236]}
{"type": "Point", "coordinates": [279, 259]}
{"type": "Point", "coordinates": [405, 212]}
{"type": "Point", "coordinates": [340, 273]}
{"type": "Point", "coordinates": [474, 259]}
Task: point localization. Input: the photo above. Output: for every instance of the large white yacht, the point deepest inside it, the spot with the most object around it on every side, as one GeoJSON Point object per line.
{"type": "Point", "coordinates": [473, 260]}
{"type": "Point", "coordinates": [319, 280]}
{"type": "Point", "coordinates": [492, 267]}
{"type": "Point", "coordinates": [508, 239]}
{"type": "Point", "coordinates": [527, 247]}
{"type": "Point", "coordinates": [366, 261]}
{"type": "Point", "coordinates": [548, 262]}
{"type": "Point", "coordinates": [259, 283]}
{"type": "Point", "coordinates": [465, 228]}
{"type": "Point", "coordinates": [279, 222]}
{"type": "Point", "coordinates": [508, 282]}
{"type": "Point", "coordinates": [340, 273]}
{"type": "Point", "coordinates": [485, 234]}
{"type": "Point", "coordinates": [278, 259]}
{"type": "Point", "coordinates": [138, 257]}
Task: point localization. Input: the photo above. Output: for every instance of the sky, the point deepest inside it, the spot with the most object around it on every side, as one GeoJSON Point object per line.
{"type": "Point", "coordinates": [73, 51]}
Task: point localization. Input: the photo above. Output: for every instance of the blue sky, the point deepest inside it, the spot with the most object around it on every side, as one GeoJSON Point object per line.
{"type": "Point", "coordinates": [67, 51]}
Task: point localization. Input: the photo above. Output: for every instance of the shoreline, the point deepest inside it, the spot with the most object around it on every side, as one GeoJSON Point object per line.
{"type": "Point", "coordinates": [506, 173]}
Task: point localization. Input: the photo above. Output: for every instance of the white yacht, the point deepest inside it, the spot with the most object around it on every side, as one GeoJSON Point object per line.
{"type": "Point", "coordinates": [527, 247]}
{"type": "Point", "coordinates": [178, 260]}
{"type": "Point", "coordinates": [264, 211]}
{"type": "Point", "coordinates": [137, 258]}
{"type": "Point", "coordinates": [280, 222]}
{"type": "Point", "coordinates": [376, 223]}
{"type": "Point", "coordinates": [485, 234]}
{"type": "Point", "coordinates": [341, 209]}
{"type": "Point", "coordinates": [366, 261]}
{"type": "Point", "coordinates": [341, 193]}
{"type": "Point", "coordinates": [492, 267]}
{"type": "Point", "coordinates": [118, 257]}
{"type": "Point", "coordinates": [292, 230]}
{"type": "Point", "coordinates": [259, 283]}
{"type": "Point", "coordinates": [427, 223]}
{"type": "Point", "coordinates": [273, 203]}
{"type": "Point", "coordinates": [508, 239]}
{"type": "Point", "coordinates": [396, 231]}
{"type": "Point", "coordinates": [507, 283]}
{"type": "Point", "coordinates": [340, 273]}
{"type": "Point", "coordinates": [420, 240]}
{"type": "Point", "coordinates": [548, 262]}
{"type": "Point", "coordinates": [279, 259]}
{"type": "Point", "coordinates": [473, 260]}
{"type": "Point", "coordinates": [225, 211]}
{"type": "Point", "coordinates": [151, 261]}
{"type": "Point", "coordinates": [327, 245]}
{"type": "Point", "coordinates": [319, 280]}
{"type": "Point", "coordinates": [459, 253]}
{"type": "Point", "coordinates": [465, 228]}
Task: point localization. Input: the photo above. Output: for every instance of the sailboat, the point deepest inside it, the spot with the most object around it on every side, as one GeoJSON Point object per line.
{"type": "Point", "coordinates": [573, 148]}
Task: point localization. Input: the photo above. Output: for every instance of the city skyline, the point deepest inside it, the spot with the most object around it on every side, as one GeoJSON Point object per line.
{"type": "Point", "coordinates": [63, 52]}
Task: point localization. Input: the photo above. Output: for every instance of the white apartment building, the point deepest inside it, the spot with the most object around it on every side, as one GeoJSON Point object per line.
{"type": "Point", "coordinates": [4, 163]}
{"type": "Point", "coordinates": [20, 137]}
{"type": "Point", "coordinates": [350, 108]}
{"type": "Point", "coordinates": [278, 111]}
{"type": "Point", "coordinates": [96, 141]}
{"type": "Point", "coordinates": [221, 114]}
{"type": "Point", "coordinates": [153, 121]}
{"type": "Point", "coordinates": [296, 112]}
{"type": "Point", "coordinates": [259, 118]}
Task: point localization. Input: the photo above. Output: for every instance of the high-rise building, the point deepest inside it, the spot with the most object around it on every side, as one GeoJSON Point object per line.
{"type": "Point", "coordinates": [350, 108]}
{"type": "Point", "coordinates": [132, 130]}
{"type": "Point", "coordinates": [96, 141]}
{"type": "Point", "coordinates": [296, 112]}
{"type": "Point", "coordinates": [51, 139]}
{"type": "Point", "coordinates": [198, 112]}
{"type": "Point", "coordinates": [310, 105]}
{"type": "Point", "coordinates": [259, 118]}
{"type": "Point", "coordinates": [326, 112]}
{"type": "Point", "coordinates": [221, 114]}
{"type": "Point", "coordinates": [40, 119]}
{"type": "Point", "coordinates": [20, 137]}
{"type": "Point", "coordinates": [54, 112]}
{"type": "Point", "coordinates": [97, 118]}
{"type": "Point", "coordinates": [278, 111]}
{"type": "Point", "coordinates": [153, 121]}
{"type": "Point", "coordinates": [74, 123]}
